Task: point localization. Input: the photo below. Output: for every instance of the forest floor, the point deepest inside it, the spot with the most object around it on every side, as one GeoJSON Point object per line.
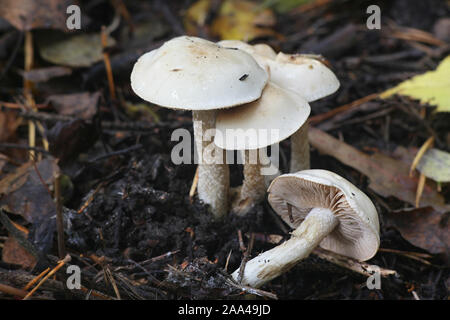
{"type": "Point", "coordinates": [129, 222]}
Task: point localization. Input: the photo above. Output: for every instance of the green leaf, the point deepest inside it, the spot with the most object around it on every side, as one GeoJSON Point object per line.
{"type": "Point", "coordinates": [432, 87]}
{"type": "Point", "coordinates": [80, 50]}
{"type": "Point", "coordinates": [284, 6]}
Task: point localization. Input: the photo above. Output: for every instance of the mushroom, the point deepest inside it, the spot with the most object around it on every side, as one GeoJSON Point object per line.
{"type": "Point", "coordinates": [326, 210]}
{"type": "Point", "coordinates": [309, 77]}
{"type": "Point", "coordinates": [261, 51]}
{"type": "Point", "coordinates": [301, 73]}
{"type": "Point", "coordinates": [191, 73]}
{"type": "Point", "coordinates": [255, 126]}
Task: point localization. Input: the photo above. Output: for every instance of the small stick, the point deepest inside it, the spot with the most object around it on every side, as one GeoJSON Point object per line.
{"type": "Point", "coordinates": [352, 264]}
{"type": "Point", "coordinates": [91, 198]}
{"type": "Point", "coordinates": [428, 144]}
{"type": "Point", "coordinates": [109, 74]}
{"type": "Point", "coordinates": [96, 293]}
{"type": "Point", "coordinates": [193, 186]}
{"type": "Point", "coordinates": [241, 242]}
{"type": "Point", "coordinates": [254, 291]}
{"type": "Point", "coordinates": [35, 279]}
{"type": "Point", "coordinates": [110, 277]}
{"type": "Point", "coordinates": [52, 272]}
{"type": "Point", "coordinates": [59, 218]}
{"type": "Point", "coordinates": [19, 146]}
{"type": "Point", "coordinates": [160, 257]}
{"type": "Point", "coordinates": [27, 86]}
{"type": "Point", "coordinates": [12, 105]}
{"type": "Point", "coordinates": [410, 255]}
{"type": "Point", "coordinates": [12, 291]}
{"type": "Point", "coordinates": [227, 261]}
{"type": "Point", "coordinates": [346, 107]}
{"type": "Point", "coordinates": [420, 186]}
{"type": "Point", "coordinates": [246, 257]}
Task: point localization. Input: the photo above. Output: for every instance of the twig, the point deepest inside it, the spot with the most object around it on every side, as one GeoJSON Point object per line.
{"type": "Point", "coordinates": [109, 74]}
{"type": "Point", "coordinates": [193, 186]}
{"type": "Point", "coordinates": [346, 107]}
{"type": "Point", "coordinates": [227, 261]}
{"type": "Point", "coordinates": [251, 290]}
{"type": "Point", "coordinates": [36, 279]}
{"type": "Point", "coordinates": [246, 257]}
{"type": "Point", "coordinates": [110, 277]}
{"type": "Point", "coordinates": [52, 272]}
{"type": "Point", "coordinates": [25, 147]}
{"type": "Point", "coordinates": [116, 153]}
{"type": "Point", "coordinates": [12, 291]}
{"type": "Point", "coordinates": [428, 144]}
{"type": "Point", "coordinates": [411, 255]}
{"type": "Point", "coordinates": [59, 218]}
{"type": "Point", "coordinates": [348, 263]}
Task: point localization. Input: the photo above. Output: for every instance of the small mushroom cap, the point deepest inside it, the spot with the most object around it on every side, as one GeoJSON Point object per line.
{"type": "Point", "coordinates": [356, 236]}
{"type": "Point", "coordinates": [304, 75]}
{"type": "Point", "coordinates": [275, 116]}
{"type": "Point", "coordinates": [195, 74]}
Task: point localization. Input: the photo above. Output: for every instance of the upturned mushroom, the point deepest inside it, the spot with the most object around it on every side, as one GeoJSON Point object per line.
{"type": "Point", "coordinates": [326, 210]}
{"type": "Point", "coordinates": [254, 126]}
{"type": "Point", "coordinates": [191, 73]}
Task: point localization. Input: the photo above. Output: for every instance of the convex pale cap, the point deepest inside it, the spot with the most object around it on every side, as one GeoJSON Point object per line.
{"type": "Point", "coordinates": [304, 75]}
{"type": "Point", "coordinates": [278, 114]}
{"type": "Point", "coordinates": [191, 73]}
{"type": "Point", "coordinates": [356, 236]}
{"type": "Point", "coordinates": [300, 73]}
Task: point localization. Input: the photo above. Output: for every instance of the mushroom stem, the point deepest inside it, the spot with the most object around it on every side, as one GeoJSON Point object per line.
{"type": "Point", "coordinates": [300, 149]}
{"type": "Point", "coordinates": [253, 187]}
{"type": "Point", "coordinates": [268, 265]}
{"type": "Point", "coordinates": [213, 172]}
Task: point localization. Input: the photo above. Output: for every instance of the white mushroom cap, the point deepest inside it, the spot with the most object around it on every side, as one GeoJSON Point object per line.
{"type": "Point", "coordinates": [260, 52]}
{"type": "Point", "coordinates": [195, 74]}
{"type": "Point", "coordinates": [274, 117]}
{"type": "Point", "coordinates": [304, 75]}
{"type": "Point", "coordinates": [357, 234]}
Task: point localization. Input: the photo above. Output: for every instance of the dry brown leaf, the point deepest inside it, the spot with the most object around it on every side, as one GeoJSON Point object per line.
{"type": "Point", "coordinates": [45, 74]}
{"type": "Point", "coordinates": [22, 192]}
{"type": "Point", "coordinates": [26, 15]}
{"type": "Point", "coordinates": [9, 122]}
{"type": "Point", "coordinates": [423, 227]}
{"type": "Point", "coordinates": [14, 253]}
{"type": "Point", "coordinates": [82, 105]}
{"type": "Point", "coordinates": [388, 176]}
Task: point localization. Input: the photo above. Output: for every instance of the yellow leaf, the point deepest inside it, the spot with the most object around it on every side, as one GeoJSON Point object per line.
{"type": "Point", "coordinates": [432, 87]}
{"type": "Point", "coordinates": [243, 20]}
{"type": "Point", "coordinates": [196, 16]}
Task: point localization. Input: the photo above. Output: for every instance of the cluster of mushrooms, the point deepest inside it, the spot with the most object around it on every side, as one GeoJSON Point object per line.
{"type": "Point", "coordinates": [233, 87]}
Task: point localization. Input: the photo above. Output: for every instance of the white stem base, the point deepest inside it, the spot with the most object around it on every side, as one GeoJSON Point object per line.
{"type": "Point", "coordinates": [213, 178]}
{"type": "Point", "coordinates": [253, 187]}
{"type": "Point", "coordinates": [300, 159]}
{"type": "Point", "coordinates": [270, 264]}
